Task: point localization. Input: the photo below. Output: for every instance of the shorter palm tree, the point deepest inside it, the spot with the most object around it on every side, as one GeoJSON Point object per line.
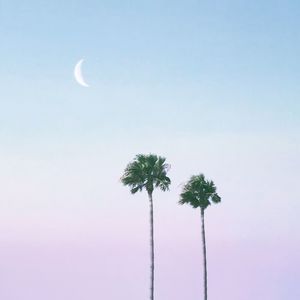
{"type": "Point", "coordinates": [200, 193]}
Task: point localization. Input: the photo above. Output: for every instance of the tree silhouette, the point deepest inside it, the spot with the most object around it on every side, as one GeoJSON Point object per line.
{"type": "Point", "coordinates": [200, 193]}
{"type": "Point", "coordinates": [147, 172]}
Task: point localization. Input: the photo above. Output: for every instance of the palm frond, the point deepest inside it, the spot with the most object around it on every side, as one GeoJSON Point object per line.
{"type": "Point", "coordinates": [146, 171]}
{"type": "Point", "coordinates": [199, 192]}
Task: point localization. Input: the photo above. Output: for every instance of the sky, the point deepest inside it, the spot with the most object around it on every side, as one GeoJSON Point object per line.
{"type": "Point", "coordinates": [213, 86]}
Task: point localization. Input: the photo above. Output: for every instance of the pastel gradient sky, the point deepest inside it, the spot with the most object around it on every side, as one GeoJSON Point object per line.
{"type": "Point", "coordinates": [211, 85]}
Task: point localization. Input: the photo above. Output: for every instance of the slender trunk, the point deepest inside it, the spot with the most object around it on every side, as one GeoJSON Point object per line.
{"type": "Point", "coordinates": [204, 254]}
{"type": "Point", "coordinates": [151, 248]}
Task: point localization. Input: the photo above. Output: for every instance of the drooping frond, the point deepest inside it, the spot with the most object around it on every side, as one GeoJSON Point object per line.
{"type": "Point", "coordinates": [146, 171]}
{"type": "Point", "coordinates": [199, 192]}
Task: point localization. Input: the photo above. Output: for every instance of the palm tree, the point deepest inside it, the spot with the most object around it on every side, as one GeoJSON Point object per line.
{"type": "Point", "coordinates": [200, 193]}
{"type": "Point", "coordinates": [147, 172]}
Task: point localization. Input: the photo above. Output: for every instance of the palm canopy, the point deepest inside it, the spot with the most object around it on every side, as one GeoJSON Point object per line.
{"type": "Point", "coordinates": [146, 171]}
{"type": "Point", "coordinates": [199, 192]}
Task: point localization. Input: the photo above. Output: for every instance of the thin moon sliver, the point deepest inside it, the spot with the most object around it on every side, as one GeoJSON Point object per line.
{"type": "Point", "coordinates": [78, 74]}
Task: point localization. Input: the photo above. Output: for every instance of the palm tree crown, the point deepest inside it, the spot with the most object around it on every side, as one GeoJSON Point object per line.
{"type": "Point", "coordinates": [199, 192]}
{"type": "Point", "coordinates": [146, 171]}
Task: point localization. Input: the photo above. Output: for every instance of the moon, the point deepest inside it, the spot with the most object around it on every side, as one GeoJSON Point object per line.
{"type": "Point", "coordinates": [78, 74]}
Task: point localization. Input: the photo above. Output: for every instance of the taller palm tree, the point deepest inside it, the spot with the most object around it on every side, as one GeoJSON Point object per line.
{"type": "Point", "coordinates": [147, 172]}
{"type": "Point", "coordinates": [200, 193]}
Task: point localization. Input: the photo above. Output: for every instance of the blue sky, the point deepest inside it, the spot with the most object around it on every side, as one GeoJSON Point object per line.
{"type": "Point", "coordinates": [196, 66]}
{"type": "Point", "coordinates": [211, 85]}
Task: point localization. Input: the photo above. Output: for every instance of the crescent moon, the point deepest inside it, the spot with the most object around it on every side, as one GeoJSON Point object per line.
{"type": "Point", "coordinates": [78, 74]}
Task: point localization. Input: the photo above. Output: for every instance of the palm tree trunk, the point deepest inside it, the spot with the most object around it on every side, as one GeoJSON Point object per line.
{"type": "Point", "coordinates": [151, 248]}
{"type": "Point", "coordinates": [204, 254]}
